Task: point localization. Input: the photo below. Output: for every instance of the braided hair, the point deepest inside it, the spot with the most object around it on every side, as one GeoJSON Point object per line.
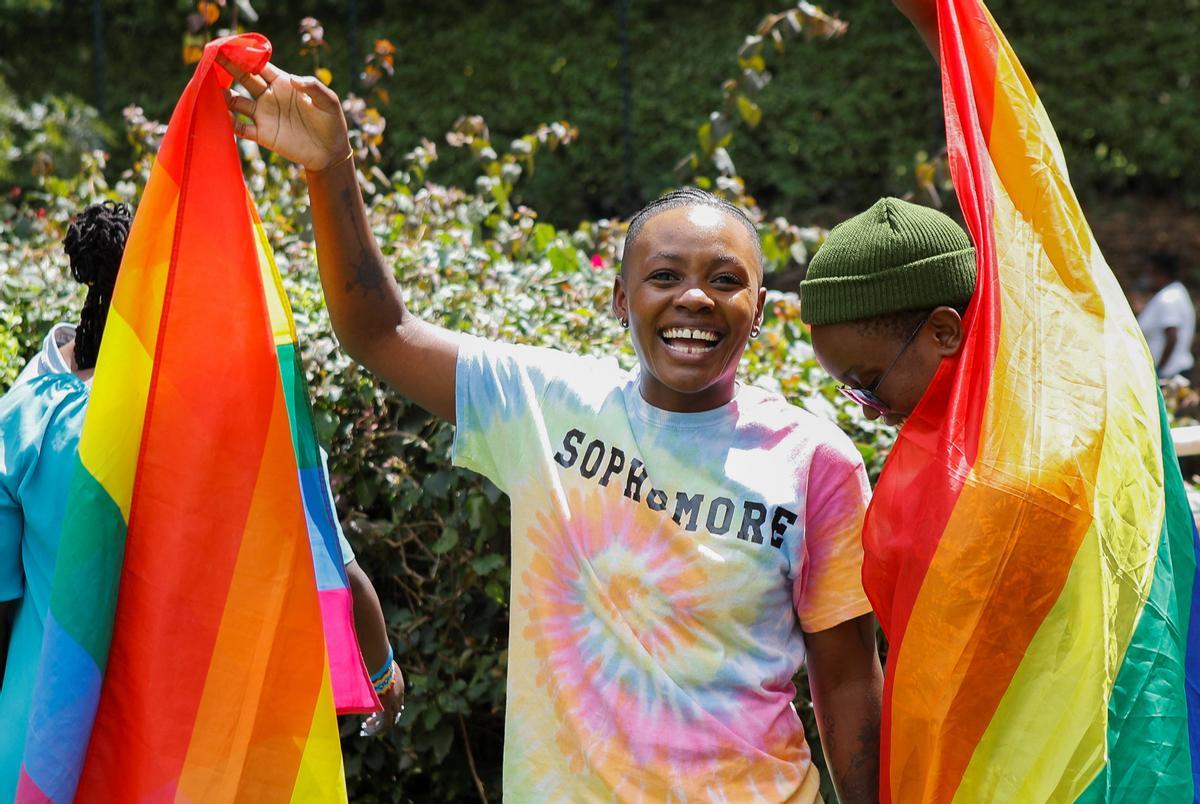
{"type": "Point", "coordinates": [688, 197]}
{"type": "Point", "coordinates": [94, 243]}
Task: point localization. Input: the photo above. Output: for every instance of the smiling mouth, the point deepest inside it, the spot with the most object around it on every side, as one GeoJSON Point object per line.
{"type": "Point", "coordinates": [690, 341]}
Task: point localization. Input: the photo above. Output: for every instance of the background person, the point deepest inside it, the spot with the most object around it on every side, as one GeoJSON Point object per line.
{"type": "Point", "coordinates": [1168, 319]}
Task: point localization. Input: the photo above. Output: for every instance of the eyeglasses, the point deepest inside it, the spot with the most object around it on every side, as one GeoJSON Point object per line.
{"type": "Point", "coordinates": [867, 396]}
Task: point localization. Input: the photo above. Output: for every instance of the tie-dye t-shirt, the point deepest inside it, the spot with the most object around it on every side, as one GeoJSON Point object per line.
{"type": "Point", "coordinates": [664, 566]}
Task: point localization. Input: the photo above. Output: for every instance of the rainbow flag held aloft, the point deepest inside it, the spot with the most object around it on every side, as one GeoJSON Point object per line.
{"type": "Point", "coordinates": [183, 656]}
{"type": "Point", "coordinates": [1030, 552]}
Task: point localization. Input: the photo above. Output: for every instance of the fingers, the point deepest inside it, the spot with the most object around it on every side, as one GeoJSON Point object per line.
{"type": "Point", "coordinates": [246, 130]}
{"type": "Point", "coordinates": [374, 724]}
{"type": "Point", "coordinates": [239, 104]}
{"type": "Point", "coordinates": [270, 72]}
{"type": "Point", "coordinates": [322, 97]}
{"type": "Point", "coordinates": [254, 84]}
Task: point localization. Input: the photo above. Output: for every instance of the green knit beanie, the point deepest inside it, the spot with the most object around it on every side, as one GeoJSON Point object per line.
{"type": "Point", "coordinates": [892, 258]}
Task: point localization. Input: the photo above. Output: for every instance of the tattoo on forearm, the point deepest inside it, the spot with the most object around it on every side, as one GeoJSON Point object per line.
{"type": "Point", "coordinates": [861, 778]}
{"type": "Point", "coordinates": [368, 273]}
{"type": "Point", "coordinates": [856, 773]}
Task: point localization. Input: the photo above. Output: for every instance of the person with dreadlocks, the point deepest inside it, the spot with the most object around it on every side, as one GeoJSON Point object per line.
{"type": "Point", "coordinates": [41, 419]}
{"type": "Point", "coordinates": [681, 542]}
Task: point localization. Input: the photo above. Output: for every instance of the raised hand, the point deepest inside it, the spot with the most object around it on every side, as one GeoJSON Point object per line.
{"type": "Point", "coordinates": [298, 118]}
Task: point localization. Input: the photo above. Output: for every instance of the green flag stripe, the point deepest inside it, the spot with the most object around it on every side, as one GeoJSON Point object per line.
{"type": "Point", "coordinates": [88, 570]}
{"type": "Point", "coordinates": [1148, 754]}
{"type": "Point", "coordinates": [295, 390]}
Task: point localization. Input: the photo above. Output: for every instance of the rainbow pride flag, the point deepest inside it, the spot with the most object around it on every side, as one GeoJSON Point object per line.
{"type": "Point", "coordinates": [1030, 552]}
{"type": "Point", "coordinates": [183, 658]}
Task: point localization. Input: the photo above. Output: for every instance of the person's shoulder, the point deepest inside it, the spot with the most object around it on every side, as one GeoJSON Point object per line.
{"type": "Point", "coordinates": [46, 390]}
{"type": "Point", "coordinates": [42, 401]}
{"type": "Point", "coordinates": [547, 366]}
{"type": "Point", "coordinates": [808, 432]}
{"type": "Point", "coordinates": [1176, 293]}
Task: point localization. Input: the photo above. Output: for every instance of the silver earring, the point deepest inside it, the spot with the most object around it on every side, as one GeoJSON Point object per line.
{"type": "Point", "coordinates": [754, 331]}
{"type": "Point", "coordinates": [625, 323]}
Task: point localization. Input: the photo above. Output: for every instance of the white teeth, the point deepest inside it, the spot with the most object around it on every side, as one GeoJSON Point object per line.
{"type": "Point", "coordinates": [690, 350]}
{"type": "Point", "coordinates": [691, 334]}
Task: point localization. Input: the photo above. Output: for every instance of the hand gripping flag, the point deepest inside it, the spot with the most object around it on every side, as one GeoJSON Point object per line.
{"type": "Point", "coordinates": [1030, 552]}
{"type": "Point", "coordinates": [183, 657]}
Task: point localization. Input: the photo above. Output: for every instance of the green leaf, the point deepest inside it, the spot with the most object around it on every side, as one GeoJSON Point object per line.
{"type": "Point", "coordinates": [563, 259]}
{"type": "Point", "coordinates": [750, 111]}
{"type": "Point", "coordinates": [755, 62]}
{"type": "Point", "coordinates": [485, 564]}
{"type": "Point", "coordinates": [442, 737]}
{"type": "Point", "coordinates": [543, 236]}
{"type": "Point", "coordinates": [495, 591]}
{"type": "Point", "coordinates": [704, 135]}
{"type": "Point", "coordinates": [445, 542]}
{"type": "Point", "coordinates": [476, 507]}
{"type": "Point", "coordinates": [437, 484]}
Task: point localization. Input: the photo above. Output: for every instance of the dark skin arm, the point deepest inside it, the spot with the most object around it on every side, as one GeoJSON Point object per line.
{"type": "Point", "coordinates": [301, 119]}
{"type": "Point", "coordinates": [371, 629]}
{"type": "Point", "coordinates": [1172, 336]}
{"type": "Point", "coordinates": [846, 681]}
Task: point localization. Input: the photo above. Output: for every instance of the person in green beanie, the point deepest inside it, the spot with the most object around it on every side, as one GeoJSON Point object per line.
{"type": "Point", "coordinates": [885, 296]}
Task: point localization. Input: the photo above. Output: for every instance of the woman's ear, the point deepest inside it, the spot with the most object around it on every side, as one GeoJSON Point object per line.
{"type": "Point", "coordinates": [947, 327]}
{"type": "Point", "coordinates": [620, 303]}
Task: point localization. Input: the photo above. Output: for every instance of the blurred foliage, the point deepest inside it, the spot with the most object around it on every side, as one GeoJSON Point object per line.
{"type": "Point", "coordinates": [846, 122]}
{"type": "Point", "coordinates": [434, 539]}
{"type": "Point", "coordinates": [46, 140]}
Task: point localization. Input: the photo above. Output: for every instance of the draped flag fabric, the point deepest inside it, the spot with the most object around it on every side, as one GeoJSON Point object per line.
{"type": "Point", "coordinates": [183, 659]}
{"type": "Point", "coordinates": [1030, 552]}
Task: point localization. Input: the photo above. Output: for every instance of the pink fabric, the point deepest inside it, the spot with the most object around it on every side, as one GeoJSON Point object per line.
{"type": "Point", "coordinates": [345, 662]}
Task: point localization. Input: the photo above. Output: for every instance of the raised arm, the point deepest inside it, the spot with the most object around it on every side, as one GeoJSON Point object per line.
{"type": "Point", "coordinates": [923, 15]}
{"type": "Point", "coordinates": [301, 119]}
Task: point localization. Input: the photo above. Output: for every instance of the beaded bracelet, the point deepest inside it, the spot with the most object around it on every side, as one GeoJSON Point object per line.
{"type": "Point", "coordinates": [384, 685]}
{"type": "Point", "coordinates": [387, 666]}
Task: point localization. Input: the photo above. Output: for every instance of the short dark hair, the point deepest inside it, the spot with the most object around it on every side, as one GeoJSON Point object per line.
{"type": "Point", "coordinates": [95, 243]}
{"type": "Point", "coordinates": [688, 197]}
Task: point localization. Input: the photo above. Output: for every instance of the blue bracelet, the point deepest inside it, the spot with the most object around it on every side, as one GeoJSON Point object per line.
{"type": "Point", "coordinates": [383, 685]}
{"type": "Point", "coordinates": [387, 665]}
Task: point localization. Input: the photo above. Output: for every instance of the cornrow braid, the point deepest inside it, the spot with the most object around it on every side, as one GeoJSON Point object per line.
{"type": "Point", "coordinates": [688, 197]}
{"type": "Point", "coordinates": [94, 244]}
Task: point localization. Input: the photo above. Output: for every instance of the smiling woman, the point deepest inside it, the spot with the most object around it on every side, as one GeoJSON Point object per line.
{"type": "Point", "coordinates": [691, 292]}
{"type": "Point", "coordinates": [680, 542]}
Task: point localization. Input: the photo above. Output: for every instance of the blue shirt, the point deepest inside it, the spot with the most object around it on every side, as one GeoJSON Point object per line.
{"type": "Point", "coordinates": [40, 423]}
